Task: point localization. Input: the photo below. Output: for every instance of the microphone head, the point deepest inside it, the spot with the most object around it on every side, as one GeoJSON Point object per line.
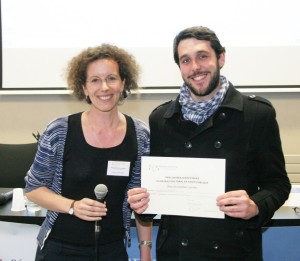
{"type": "Point", "coordinates": [100, 191]}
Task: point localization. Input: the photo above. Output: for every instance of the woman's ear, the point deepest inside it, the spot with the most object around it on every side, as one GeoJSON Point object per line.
{"type": "Point", "coordinates": [85, 90]}
{"type": "Point", "coordinates": [123, 85]}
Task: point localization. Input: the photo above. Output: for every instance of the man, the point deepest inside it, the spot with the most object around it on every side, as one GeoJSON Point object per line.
{"type": "Point", "coordinates": [211, 119]}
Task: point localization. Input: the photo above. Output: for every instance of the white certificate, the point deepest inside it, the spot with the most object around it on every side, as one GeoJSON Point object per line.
{"type": "Point", "coordinates": [184, 186]}
{"type": "Point", "coordinates": [294, 197]}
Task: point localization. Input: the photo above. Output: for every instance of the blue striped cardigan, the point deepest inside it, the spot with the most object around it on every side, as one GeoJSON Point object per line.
{"type": "Point", "coordinates": [47, 168]}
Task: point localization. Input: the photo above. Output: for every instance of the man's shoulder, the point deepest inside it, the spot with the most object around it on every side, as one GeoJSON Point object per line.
{"type": "Point", "coordinates": [163, 106]}
{"type": "Point", "coordinates": [254, 98]}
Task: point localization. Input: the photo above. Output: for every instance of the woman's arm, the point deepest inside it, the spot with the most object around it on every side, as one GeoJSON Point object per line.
{"type": "Point", "coordinates": [85, 209]}
{"type": "Point", "coordinates": [144, 230]}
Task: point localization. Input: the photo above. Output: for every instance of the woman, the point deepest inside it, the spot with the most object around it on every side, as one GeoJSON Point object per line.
{"type": "Point", "coordinates": [80, 151]}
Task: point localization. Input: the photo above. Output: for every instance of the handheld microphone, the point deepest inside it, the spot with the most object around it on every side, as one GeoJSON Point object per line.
{"type": "Point", "coordinates": [5, 197]}
{"type": "Point", "coordinates": [100, 192]}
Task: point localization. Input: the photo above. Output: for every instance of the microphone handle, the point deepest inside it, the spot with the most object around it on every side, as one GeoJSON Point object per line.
{"type": "Point", "coordinates": [5, 197]}
{"type": "Point", "coordinates": [97, 229]}
{"type": "Point", "coordinates": [8, 195]}
{"type": "Point", "coordinates": [101, 200]}
{"type": "Point", "coordinates": [97, 223]}
{"type": "Point", "coordinates": [97, 226]}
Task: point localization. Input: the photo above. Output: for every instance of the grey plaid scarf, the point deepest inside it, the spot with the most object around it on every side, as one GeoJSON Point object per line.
{"type": "Point", "coordinates": [199, 111]}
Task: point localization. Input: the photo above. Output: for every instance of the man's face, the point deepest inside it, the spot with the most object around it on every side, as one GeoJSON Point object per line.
{"type": "Point", "coordinates": [200, 68]}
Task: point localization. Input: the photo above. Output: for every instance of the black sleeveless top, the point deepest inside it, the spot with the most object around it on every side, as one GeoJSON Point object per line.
{"type": "Point", "coordinates": [85, 166]}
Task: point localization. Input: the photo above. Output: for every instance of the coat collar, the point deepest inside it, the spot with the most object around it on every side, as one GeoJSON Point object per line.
{"type": "Point", "coordinates": [233, 100]}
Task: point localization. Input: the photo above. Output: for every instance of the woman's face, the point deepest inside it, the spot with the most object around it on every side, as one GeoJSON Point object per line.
{"type": "Point", "coordinates": [104, 84]}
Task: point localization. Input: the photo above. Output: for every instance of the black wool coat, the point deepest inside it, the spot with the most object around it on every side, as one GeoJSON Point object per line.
{"type": "Point", "coordinates": [245, 133]}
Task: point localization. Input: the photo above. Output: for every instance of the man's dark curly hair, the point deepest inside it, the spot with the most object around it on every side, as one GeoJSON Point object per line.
{"type": "Point", "coordinates": [76, 72]}
{"type": "Point", "coordinates": [199, 33]}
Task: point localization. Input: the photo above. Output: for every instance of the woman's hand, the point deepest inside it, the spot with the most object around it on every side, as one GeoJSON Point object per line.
{"type": "Point", "coordinates": [89, 209]}
{"type": "Point", "coordinates": [138, 198]}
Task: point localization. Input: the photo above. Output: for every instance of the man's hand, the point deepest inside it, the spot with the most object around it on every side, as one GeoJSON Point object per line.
{"type": "Point", "coordinates": [237, 204]}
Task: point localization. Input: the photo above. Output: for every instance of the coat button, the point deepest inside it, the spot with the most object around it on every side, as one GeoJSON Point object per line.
{"type": "Point", "coordinates": [188, 145]}
{"type": "Point", "coordinates": [222, 116]}
{"type": "Point", "coordinates": [239, 233]}
{"type": "Point", "coordinates": [218, 144]}
{"type": "Point", "coordinates": [215, 245]}
{"type": "Point", "coordinates": [165, 232]}
{"type": "Point", "coordinates": [185, 242]}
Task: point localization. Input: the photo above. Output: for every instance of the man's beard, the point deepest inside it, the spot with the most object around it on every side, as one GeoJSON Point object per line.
{"type": "Point", "coordinates": [214, 83]}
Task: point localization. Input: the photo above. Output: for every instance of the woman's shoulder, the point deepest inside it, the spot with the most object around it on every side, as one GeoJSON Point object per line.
{"type": "Point", "coordinates": [59, 122]}
{"type": "Point", "coordinates": [57, 125]}
{"type": "Point", "coordinates": [62, 121]}
{"type": "Point", "coordinates": [140, 125]}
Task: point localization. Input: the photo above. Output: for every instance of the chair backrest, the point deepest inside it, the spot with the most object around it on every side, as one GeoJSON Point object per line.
{"type": "Point", "coordinates": [15, 161]}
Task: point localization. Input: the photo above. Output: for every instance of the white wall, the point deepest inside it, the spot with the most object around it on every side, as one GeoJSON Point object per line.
{"type": "Point", "coordinates": [262, 37]}
{"type": "Point", "coordinates": [245, 66]}
{"type": "Point", "coordinates": [23, 114]}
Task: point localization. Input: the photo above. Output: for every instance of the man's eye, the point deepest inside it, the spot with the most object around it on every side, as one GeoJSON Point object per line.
{"type": "Point", "coordinates": [184, 60]}
{"type": "Point", "coordinates": [203, 56]}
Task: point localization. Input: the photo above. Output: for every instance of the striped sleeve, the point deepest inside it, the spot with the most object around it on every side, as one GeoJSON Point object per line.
{"type": "Point", "coordinates": [143, 141]}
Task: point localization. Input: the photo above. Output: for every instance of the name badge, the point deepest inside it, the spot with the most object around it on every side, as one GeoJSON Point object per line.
{"type": "Point", "coordinates": [118, 168]}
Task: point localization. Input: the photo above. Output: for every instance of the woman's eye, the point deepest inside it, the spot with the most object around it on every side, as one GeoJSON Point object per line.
{"type": "Point", "coordinates": [95, 80]}
{"type": "Point", "coordinates": [111, 78]}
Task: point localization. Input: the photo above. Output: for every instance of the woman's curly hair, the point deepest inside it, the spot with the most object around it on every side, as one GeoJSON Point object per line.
{"type": "Point", "coordinates": [76, 72]}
